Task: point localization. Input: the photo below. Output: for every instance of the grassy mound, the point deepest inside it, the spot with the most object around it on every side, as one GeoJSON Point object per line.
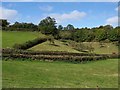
{"type": "Point", "coordinates": [39, 74]}
{"type": "Point", "coordinates": [59, 46]}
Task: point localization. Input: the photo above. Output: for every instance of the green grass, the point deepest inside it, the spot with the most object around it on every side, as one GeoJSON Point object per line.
{"type": "Point", "coordinates": [109, 48]}
{"type": "Point", "coordinates": [59, 46]}
{"type": "Point", "coordinates": [41, 74]}
{"type": "Point", "coordinates": [9, 38]}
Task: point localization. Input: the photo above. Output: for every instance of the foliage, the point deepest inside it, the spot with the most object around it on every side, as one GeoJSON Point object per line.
{"type": "Point", "coordinates": [4, 23]}
{"type": "Point", "coordinates": [70, 27]}
{"type": "Point", "coordinates": [51, 55]}
{"type": "Point", "coordinates": [48, 26]}
{"type": "Point", "coordinates": [29, 43]}
{"type": "Point", "coordinates": [80, 35]}
{"type": "Point", "coordinates": [60, 27]}
{"type": "Point", "coordinates": [65, 35]}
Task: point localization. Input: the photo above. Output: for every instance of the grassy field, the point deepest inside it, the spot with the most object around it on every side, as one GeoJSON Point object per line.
{"type": "Point", "coordinates": [109, 48]}
{"type": "Point", "coordinates": [59, 46]}
{"type": "Point", "coordinates": [40, 74]}
{"type": "Point", "coordinates": [9, 38]}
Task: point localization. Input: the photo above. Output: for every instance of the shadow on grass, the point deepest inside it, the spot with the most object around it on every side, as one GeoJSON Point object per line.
{"type": "Point", "coordinates": [55, 45]}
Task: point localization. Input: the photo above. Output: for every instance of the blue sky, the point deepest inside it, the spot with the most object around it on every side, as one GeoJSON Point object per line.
{"type": "Point", "coordinates": [79, 14]}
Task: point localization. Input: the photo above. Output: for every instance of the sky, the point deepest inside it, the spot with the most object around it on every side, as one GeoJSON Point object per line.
{"type": "Point", "coordinates": [79, 14]}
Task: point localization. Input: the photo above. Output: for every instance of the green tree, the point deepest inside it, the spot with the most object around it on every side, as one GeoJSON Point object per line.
{"type": "Point", "coordinates": [101, 34]}
{"type": "Point", "coordinates": [4, 22]}
{"type": "Point", "coordinates": [80, 35]}
{"type": "Point", "coordinates": [60, 27]}
{"type": "Point", "coordinates": [113, 35]}
{"type": "Point", "coordinates": [48, 26]}
{"type": "Point", "coordinates": [70, 27]}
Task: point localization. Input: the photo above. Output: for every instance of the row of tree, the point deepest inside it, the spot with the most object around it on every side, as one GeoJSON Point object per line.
{"type": "Point", "coordinates": [81, 35]}
{"type": "Point", "coordinates": [48, 26]}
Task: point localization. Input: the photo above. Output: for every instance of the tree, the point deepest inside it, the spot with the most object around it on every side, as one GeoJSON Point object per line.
{"type": "Point", "coordinates": [60, 27]}
{"type": "Point", "coordinates": [48, 26]}
{"type": "Point", "coordinates": [70, 27]}
{"type": "Point", "coordinates": [108, 27]}
{"type": "Point", "coordinates": [64, 34]}
{"type": "Point", "coordinates": [4, 23]}
{"type": "Point", "coordinates": [101, 34]}
{"type": "Point", "coordinates": [80, 35]}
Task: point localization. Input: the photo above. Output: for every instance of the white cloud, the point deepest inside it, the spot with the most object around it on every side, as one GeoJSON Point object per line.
{"type": "Point", "coordinates": [46, 8]}
{"type": "Point", "coordinates": [112, 20]}
{"type": "Point", "coordinates": [7, 13]}
{"type": "Point", "coordinates": [72, 16]}
{"type": "Point", "coordinates": [60, 0]}
{"type": "Point", "coordinates": [118, 8]}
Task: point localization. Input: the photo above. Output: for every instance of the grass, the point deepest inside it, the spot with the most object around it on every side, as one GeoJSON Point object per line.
{"type": "Point", "coordinates": [109, 48]}
{"type": "Point", "coordinates": [59, 46]}
{"type": "Point", "coordinates": [9, 38]}
{"type": "Point", "coordinates": [41, 74]}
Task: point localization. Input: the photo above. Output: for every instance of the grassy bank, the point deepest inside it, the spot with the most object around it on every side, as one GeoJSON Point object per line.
{"type": "Point", "coordinates": [9, 38]}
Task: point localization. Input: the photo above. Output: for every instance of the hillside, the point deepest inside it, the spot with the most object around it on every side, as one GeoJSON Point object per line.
{"type": "Point", "coordinates": [108, 48]}
{"type": "Point", "coordinates": [59, 46]}
{"type": "Point", "coordinates": [9, 38]}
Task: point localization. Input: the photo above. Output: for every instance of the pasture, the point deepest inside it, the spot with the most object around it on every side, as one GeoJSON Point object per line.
{"type": "Point", "coordinates": [108, 48]}
{"type": "Point", "coordinates": [9, 38]}
{"type": "Point", "coordinates": [41, 74]}
{"type": "Point", "coordinates": [47, 74]}
{"type": "Point", "coordinates": [59, 46]}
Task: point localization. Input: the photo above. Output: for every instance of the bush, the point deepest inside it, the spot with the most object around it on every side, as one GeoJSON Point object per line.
{"type": "Point", "coordinates": [29, 44]}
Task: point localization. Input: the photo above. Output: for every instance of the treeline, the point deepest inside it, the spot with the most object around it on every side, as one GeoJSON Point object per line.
{"type": "Point", "coordinates": [48, 26]}
{"type": "Point", "coordinates": [94, 34]}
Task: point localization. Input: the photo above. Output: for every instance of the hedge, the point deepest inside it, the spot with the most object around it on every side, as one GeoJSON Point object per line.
{"type": "Point", "coordinates": [29, 44]}
{"type": "Point", "coordinates": [64, 56]}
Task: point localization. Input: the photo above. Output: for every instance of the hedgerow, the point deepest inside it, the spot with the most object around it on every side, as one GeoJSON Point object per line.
{"type": "Point", "coordinates": [29, 43]}
{"type": "Point", "coordinates": [64, 56]}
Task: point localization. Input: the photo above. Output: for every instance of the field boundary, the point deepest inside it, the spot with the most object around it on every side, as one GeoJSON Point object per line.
{"type": "Point", "coordinates": [53, 56]}
{"type": "Point", "coordinates": [30, 43]}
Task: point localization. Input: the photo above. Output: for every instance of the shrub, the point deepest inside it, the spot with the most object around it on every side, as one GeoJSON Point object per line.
{"type": "Point", "coordinates": [29, 44]}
